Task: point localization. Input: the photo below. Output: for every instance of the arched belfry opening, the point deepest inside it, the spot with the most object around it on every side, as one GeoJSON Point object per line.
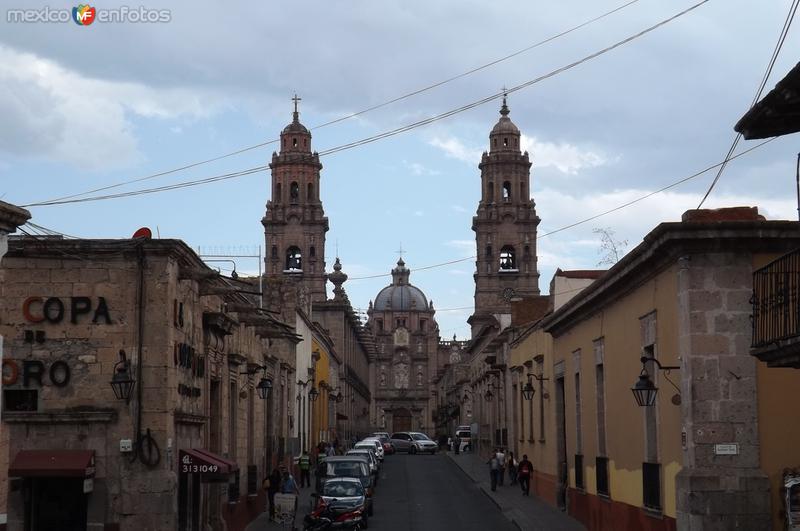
{"type": "Point", "coordinates": [294, 259]}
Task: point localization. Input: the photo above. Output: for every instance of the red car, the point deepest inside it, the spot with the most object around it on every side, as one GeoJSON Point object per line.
{"type": "Point", "coordinates": [383, 437]}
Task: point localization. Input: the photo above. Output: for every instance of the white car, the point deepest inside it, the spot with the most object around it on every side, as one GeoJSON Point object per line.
{"type": "Point", "coordinates": [423, 443]}
{"type": "Point", "coordinates": [376, 443]}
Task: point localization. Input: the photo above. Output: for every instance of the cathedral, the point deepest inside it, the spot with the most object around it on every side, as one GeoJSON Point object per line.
{"type": "Point", "coordinates": [400, 357]}
{"type": "Point", "coordinates": [407, 339]}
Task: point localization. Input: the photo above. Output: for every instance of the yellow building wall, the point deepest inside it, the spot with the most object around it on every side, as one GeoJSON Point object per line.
{"type": "Point", "coordinates": [319, 417]}
{"type": "Point", "coordinates": [778, 424]}
{"type": "Point", "coordinates": [541, 450]}
{"type": "Point", "coordinates": [619, 326]}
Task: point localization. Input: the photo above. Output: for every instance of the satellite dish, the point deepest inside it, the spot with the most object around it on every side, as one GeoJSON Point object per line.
{"type": "Point", "coordinates": [144, 233]}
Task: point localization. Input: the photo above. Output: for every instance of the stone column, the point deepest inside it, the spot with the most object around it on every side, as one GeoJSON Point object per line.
{"type": "Point", "coordinates": [719, 397]}
{"type": "Point", "coordinates": [11, 217]}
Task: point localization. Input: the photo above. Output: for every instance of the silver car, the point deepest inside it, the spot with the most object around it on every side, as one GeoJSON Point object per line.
{"type": "Point", "coordinates": [403, 442]}
{"type": "Point", "coordinates": [373, 461]}
{"type": "Point", "coordinates": [423, 443]}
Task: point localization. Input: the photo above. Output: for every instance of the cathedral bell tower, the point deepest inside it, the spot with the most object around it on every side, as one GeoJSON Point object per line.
{"type": "Point", "coordinates": [295, 223]}
{"type": "Point", "coordinates": [505, 226]}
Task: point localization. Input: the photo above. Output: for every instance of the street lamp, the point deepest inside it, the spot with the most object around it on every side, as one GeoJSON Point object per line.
{"type": "Point", "coordinates": [263, 388]}
{"type": "Point", "coordinates": [122, 383]}
{"type": "Point", "coordinates": [528, 391]}
{"type": "Point", "coordinates": [264, 385]}
{"type": "Point", "coordinates": [313, 393]}
{"type": "Point", "coordinates": [644, 390]}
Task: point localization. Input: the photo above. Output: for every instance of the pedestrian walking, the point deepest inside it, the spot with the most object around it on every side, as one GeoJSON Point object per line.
{"type": "Point", "coordinates": [457, 444]}
{"type": "Point", "coordinates": [501, 460]}
{"type": "Point", "coordinates": [494, 468]}
{"type": "Point", "coordinates": [305, 470]}
{"type": "Point", "coordinates": [524, 473]}
{"type": "Point", "coordinates": [511, 465]}
{"type": "Point", "coordinates": [273, 486]}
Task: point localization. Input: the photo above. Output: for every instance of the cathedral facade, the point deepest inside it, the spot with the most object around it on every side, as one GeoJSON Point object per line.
{"type": "Point", "coordinates": [407, 355]}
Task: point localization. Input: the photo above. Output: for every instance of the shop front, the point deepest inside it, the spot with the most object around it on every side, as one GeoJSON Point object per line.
{"type": "Point", "coordinates": [56, 486]}
{"type": "Point", "coordinates": [199, 471]}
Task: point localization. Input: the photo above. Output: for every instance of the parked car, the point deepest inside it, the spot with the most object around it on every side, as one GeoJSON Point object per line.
{"type": "Point", "coordinates": [374, 464]}
{"type": "Point", "coordinates": [379, 452]}
{"type": "Point", "coordinates": [403, 442]}
{"type": "Point", "coordinates": [423, 443]}
{"type": "Point", "coordinates": [350, 466]}
{"type": "Point", "coordinates": [343, 503]}
{"type": "Point", "coordinates": [383, 437]}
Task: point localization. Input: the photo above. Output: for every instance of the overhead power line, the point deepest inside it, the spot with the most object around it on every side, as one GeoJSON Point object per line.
{"type": "Point", "coordinates": [590, 218]}
{"type": "Point", "coordinates": [393, 132]}
{"type": "Point", "coordinates": [775, 52]}
{"type": "Point", "coordinates": [355, 114]}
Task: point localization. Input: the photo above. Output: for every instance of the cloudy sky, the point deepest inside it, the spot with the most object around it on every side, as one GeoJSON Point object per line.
{"type": "Point", "coordinates": [85, 107]}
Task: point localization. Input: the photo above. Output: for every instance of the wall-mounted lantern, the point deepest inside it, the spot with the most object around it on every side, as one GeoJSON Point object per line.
{"type": "Point", "coordinates": [264, 385]}
{"type": "Point", "coordinates": [122, 382]}
{"type": "Point", "coordinates": [528, 391]}
{"type": "Point", "coordinates": [263, 388]}
{"type": "Point", "coordinates": [645, 391]}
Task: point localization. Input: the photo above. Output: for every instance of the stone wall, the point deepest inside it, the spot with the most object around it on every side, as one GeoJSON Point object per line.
{"type": "Point", "coordinates": [719, 397]}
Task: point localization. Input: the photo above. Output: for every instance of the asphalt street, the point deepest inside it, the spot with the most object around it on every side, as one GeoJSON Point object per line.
{"type": "Point", "coordinates": [430, 493]}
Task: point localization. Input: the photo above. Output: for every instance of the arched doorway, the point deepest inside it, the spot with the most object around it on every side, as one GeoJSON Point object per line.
{"type": "Point", "coordinates": [401, 420]}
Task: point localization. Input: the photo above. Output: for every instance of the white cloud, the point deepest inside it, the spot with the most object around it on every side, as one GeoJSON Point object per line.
{"type": "Point", "coordinates": [458, 208]}
{"type": "Point", "coordinates": [454, 148]}
{"type": "Point", "coordinates": [418, 169]}
{"type": "Point", "coordinates": [419, 213]}
{"type": "Point", "coordinates": [565, 157]}
{"type": "Point", "coordinates": [50, 110]}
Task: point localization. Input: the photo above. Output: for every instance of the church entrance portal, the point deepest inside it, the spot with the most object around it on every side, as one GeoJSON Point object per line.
{"type": "Point", "coordinates": [401, 420]}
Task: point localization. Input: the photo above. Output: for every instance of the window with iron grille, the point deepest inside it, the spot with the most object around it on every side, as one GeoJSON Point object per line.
{"type": "Point", "coordinates": [602, 476]}
{"type": "Point", "coordinates": [651, 485]}
{"type": "Point", "coordinates": [579, 484]}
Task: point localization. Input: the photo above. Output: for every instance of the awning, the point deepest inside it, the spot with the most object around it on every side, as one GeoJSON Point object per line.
{"type": "Point", "coordinates": [341, 416]}
{"type": "Point", "coordinates": [53, 463]}
{"type": "Point", "coordinates": [200, 461]}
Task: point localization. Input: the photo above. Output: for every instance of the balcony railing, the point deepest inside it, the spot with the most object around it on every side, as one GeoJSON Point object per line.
{"type": "Point", "coordinates": [776, 307]}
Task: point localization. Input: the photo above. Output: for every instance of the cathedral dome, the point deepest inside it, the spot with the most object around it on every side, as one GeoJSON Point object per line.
{"type": "Point", "coordinates": [504, 125]}
{"type": "Point", "coordinates": [400, 295]}
{"type": "Point", "coordinates": [295, 127]}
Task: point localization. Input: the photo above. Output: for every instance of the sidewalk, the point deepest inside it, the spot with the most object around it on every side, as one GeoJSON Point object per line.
{"type": "Point", "coordinates": [528, 513]}
{"type": "Point", "coordinates": [262, 523]}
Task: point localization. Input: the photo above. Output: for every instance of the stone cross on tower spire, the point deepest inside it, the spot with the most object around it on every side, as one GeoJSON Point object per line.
{"type": "Point", "coordinates": [296, 114]}
{"type": "Point", "coordinates": [504, 109]}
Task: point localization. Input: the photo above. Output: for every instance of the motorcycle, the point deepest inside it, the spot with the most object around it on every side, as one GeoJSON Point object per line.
{"type": "Point", "coordinates": [328, 516]}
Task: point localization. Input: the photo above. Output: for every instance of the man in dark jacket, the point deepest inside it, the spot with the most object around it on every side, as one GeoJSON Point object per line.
{"type": "Point", "coordinates": [524, 473]}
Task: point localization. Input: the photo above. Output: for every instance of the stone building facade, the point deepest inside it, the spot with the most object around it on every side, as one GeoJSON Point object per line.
{"type": "Point", "coordinates": [11, 217]}
{"type": "Point", "coordinates": [351, 409]}
{"type": "Point", "coordinates": [408, 357]}
{"type": "Point", "coordinates": [189, 446]}
{"type": "Point", "coordinates": [710, 453]}
{"type": "Point", "coordinates": [505, 227]}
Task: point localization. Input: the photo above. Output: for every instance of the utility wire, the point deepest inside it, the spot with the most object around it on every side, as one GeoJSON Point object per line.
{"type": "Point", "coordinates": [393, 132]}
{"type": "Point", "coordinates": [591, 218]}
{"type": "Point", "coordinates": [781, 38]}
{"type": "Point", "coordinates": [516, 88]}
{"type": "Point", "coordinates": [355, 114]}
